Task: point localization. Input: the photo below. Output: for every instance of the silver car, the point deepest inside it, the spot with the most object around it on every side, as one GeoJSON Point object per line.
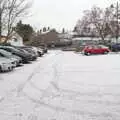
{"type": "Point", "coordinates": [17, 61]}
{"type": "Point", "coordinates": [5, 64]}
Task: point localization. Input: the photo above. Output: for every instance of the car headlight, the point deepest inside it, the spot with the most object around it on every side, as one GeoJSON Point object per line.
{"type": "Point", "coordinates": [4, 64]}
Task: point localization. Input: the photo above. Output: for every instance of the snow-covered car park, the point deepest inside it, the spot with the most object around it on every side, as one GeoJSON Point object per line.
{"type": "Point", "coordinates": [63, 86]}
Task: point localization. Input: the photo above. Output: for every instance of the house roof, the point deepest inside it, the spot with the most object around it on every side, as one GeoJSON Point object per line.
{"type": "Point", "coordinates": [14, 33]}
{"type": "Point", "coordinates": [88, 38]}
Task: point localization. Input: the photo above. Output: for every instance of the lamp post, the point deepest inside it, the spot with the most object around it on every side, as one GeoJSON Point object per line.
{"type": "Point", "coordinates": [117, 27]}
{"type": "Point", "coordinates": [0, 21]}
{"type": "Point", "coordinates": [116, 20]}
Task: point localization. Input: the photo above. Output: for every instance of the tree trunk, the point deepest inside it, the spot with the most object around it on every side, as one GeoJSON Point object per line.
{"type": "Point", "coordinates": [103, 39]}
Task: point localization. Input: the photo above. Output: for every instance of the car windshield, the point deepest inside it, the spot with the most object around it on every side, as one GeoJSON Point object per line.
{"type": "Point", "coordinates": [12, 48]}
{"type": "Point", "coordinates": [9, 48]}
{"type": "Point", "coordinates": [22, 50]}
{"type": "Point", "coordinates": [5, 52]}
{"type": "Point", "coordinates": [102, 46]}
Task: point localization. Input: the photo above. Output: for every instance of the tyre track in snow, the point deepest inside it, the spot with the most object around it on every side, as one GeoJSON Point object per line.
{"type": "Point", "coordinates": [20, 87]}
{"type": "Point", "coordinates": [36, 70]}
{"type": "Point", "coordinates": [60, 94]}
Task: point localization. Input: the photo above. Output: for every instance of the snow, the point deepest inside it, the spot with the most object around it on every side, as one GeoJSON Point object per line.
{"type": "Point", "coordinates": [63, 86]}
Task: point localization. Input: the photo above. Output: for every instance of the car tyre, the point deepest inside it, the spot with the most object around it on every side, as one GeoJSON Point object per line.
{"type": "Point", "coordinates": [87, 53]}
{"type": "Point", "coordinates": [0, 69]}
{"type": "Point", "coordinates": [106, 52]}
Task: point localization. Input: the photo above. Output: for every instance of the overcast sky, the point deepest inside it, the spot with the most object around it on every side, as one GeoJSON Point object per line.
{"type": "Point", "coordinates": [60, 13]}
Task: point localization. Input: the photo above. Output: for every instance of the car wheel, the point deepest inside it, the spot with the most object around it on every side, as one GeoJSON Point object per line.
{"type": "Point", "coordinates": [0, 69]}
{"type": "Point", "coordinates": [114, 50]}
{"type": "Point", "coordinates": [87, 53]}
{"type": "Point", "coordinates": [9, 68]}
{"type": "Point", "coordinates": [106, 52]}
{"type": "Point", "coordinates": [40, 55]}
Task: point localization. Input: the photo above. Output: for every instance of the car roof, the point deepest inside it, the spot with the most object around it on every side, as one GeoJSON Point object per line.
{"type": "Point", "coordinates": [9, 47]}
{"type": "Point", "coordinates": [4, 59]}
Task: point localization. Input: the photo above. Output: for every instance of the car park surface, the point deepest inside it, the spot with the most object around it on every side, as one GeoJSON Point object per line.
{"type": "Point", "coordinates": [63, 86]}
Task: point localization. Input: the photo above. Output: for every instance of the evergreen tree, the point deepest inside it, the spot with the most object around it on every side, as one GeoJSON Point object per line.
{"type": "Point", "coordinates": [24, 30]}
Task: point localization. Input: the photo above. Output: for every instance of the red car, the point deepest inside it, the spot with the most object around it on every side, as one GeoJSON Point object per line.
{"type": "Point", "coordinates": [95, 49]}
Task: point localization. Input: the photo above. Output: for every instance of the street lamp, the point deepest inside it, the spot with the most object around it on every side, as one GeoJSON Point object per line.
{"type": "Point", "coordinates": [117, 15]}
{"type": "Point", "coordinates": [0, 21]}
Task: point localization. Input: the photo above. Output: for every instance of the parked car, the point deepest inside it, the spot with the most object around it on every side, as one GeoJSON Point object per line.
{"type": "Point", "coordinates": [35, 50]}
{"type": "Point", "coordinates": [40, 52]}
{"type": "Point", "coordinates": [5, 64]}
{"type": "Point", "coordinates": [44, 48]}
{"type": "Point", "coordinates": [16, 59]}
{"type": "Point", "coordinates": [95, 49]}
{"type": "Point", "coordinates": [115, 47]}
{"type": "Point", "coordinates": [28, 52]}
{"type": "Point", "coordinates": [25, 57]}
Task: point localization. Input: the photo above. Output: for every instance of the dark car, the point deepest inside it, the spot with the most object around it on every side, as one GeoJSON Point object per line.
{"type": "Point", "coordinates": [25, 57]}
{"type": "Point", "coordinates": [44, 48]}
{"type": "Point", "coordinates": [35, 51]}
{"type": "Point", "coordinates": [40, 52]}
{"type": "Point", "coordinates": [115, 47]}
{"type": "Point", "coordinates": [28, 51]}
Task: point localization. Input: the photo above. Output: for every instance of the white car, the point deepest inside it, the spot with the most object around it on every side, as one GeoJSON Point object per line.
{"type": "Point", "coordinates": [5, 64]}
{"type": "Point", "coordinates": [16, 61]}
{"type": "Point", "coordinates": [13, 61]}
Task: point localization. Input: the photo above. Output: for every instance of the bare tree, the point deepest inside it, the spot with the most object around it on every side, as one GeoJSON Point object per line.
{"type": "Point", "coordinates": [115, 21]}
{"type": "Point", "coordinates": [98, 21]}
{"type": "Point", "coordinates": [12, 11]}
{"type": "Point", "coordinates": [2, 10]}
{"type": "Point", "coordinates": [101, 20]}
{"type": "Point", "coordinates": [83, 23]}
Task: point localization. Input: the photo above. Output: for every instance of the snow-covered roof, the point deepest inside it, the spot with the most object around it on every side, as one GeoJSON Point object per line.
{"type": "Point", "coordinates": [85, 38]}
{"type": "Point", "coordinates": [72, 33]}
{"type": "Point", "coordinates": [90, 38]}
{"type": "Point", "coordinates": [65, 40]}
{"type": "Point", "coordinates": [45, 32]}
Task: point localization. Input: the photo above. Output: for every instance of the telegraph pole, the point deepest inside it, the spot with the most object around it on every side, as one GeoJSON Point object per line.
{"type": "Point", "coordinates": [117, 27]}
{"type": "Point", "coordinates": [0, 22]}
